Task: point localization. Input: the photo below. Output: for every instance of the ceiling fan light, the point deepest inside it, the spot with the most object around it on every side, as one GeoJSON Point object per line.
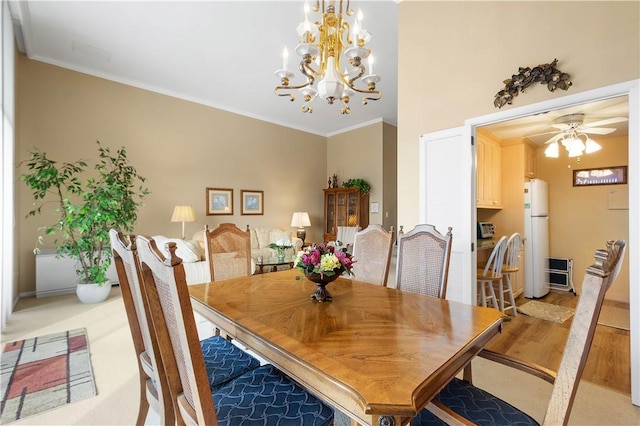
{"type": "Point", "coordinates": [575, 152]}
{"type": "Point", "coordinates": [552, 150]}
{"type": "Point", "coordinates": [592, 146]}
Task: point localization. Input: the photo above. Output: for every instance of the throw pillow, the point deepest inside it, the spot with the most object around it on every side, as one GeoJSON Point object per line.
{"type": "Point", "coordinates": [263, 235]}
{"type": "Point", "coordinates": [254, 239]}
{"type": "Point", "coordinates": [184, 251]}
{"type": "Point", "coordinates": [199, 237]}
{"type": "Point", "coordinates": [277, 235]}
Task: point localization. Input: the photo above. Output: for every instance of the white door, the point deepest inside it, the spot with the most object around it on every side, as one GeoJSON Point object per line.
{"type": "Point", "coordinates": [447, 197]}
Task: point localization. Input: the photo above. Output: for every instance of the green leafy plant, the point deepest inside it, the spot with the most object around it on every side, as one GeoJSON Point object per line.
{"type": "Point", "coordinates": [358, 183]}
{"type": "Point", "coordinates": [87, 209]}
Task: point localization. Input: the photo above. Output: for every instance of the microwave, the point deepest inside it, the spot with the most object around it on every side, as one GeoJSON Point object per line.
{"type": "Point", "coordinates": [485, 230]}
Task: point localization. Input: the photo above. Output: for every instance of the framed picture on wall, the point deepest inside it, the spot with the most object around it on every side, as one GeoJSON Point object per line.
{"type": "Point", "coordinates": [219, 201]}
{"type": "Point", "coordinates": [252, 202]}
{"type": "Point", "coordinates": [601, 176]}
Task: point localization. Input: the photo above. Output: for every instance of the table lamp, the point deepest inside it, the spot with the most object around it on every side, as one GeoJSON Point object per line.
{"type": "Point", "coordinates": [300, 220]}
{"type": "Point", "coordinates": [183, 214]}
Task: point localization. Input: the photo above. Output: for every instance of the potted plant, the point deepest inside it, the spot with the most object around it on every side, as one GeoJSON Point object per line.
{"type": "Point", "coordinates": [88, 207]}
{"type": "Point", "coordinates": [361, 184]}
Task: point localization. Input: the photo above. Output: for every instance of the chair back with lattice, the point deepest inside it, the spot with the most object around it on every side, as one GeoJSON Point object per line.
{"type": "Point", "coordinates": [493, 268]}
{"type": "Point", "coordinates": [170, 306]}
{"type": "Point", "coordinates": [513, 249]}
{"type": "Point", "coordinates": [597, 280]}
{"type": "Point", "coordinates": [423, 260]}
{"type": "Point", "coordinates": [153, 387]}
{"type": "Point", "coordinates": [372, 254]}
{"type": "Point", "coordinates": [228, 251]}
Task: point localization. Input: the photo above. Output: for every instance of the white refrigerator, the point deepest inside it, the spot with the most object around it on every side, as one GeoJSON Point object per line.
{"type": "Point", "coordinates": [536, 238]}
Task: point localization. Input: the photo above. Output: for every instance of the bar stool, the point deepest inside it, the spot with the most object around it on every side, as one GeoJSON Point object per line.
{"type": "Point", "coordinates": [510, 267]}
{"type": "Point", "coordinates": [492, 273]}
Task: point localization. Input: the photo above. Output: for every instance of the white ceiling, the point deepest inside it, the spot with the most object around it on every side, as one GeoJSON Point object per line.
{"type": "Point", "coordinates": [218, 53]}
{"type": "Point", "coordinates": [538, 127]}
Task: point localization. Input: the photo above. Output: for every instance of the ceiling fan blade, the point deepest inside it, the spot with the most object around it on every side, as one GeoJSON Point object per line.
{"type": "Point", "coordinates": [597, 130]}
{"type": "Point", "coordinates": [552, 139]}
{"type": "Point", "coordinates": [607, 121]}
{"type": "Point", "coordinates": [561, 126]}
{"type": "Point", "coordinates": [543, 133]}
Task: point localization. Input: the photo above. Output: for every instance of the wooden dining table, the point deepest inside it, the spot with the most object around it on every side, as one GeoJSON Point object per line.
{"type": "Point", "coordinates": [375, 353]}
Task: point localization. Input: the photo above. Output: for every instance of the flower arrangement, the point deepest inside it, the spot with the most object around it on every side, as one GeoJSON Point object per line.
{"type": "Point", "coordinates": [324, 260]}
{"type": "Point", "coordinates": [281, 246]}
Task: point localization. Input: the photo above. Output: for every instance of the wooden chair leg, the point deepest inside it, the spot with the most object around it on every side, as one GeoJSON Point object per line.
{"type": "Point", "coordinates": [512, 301]}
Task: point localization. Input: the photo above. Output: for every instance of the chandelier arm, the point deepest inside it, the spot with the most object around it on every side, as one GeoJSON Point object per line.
{"type": "Point", "coordinates": [277, 92]}
{"type": "Point", "coordinates": [366, 99]}
{"type": "Point", "coordinates": [354, 79]}
{"type": "Point", "coordinates": [304, 66]}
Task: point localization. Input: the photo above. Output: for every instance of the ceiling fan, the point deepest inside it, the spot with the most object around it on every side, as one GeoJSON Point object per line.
{"type": "Point", "coordinates": [571, 130]}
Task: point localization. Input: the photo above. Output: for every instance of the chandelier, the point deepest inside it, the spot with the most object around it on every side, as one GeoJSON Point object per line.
{"type": "Point", "coordinates": [323, 47]}
{"type": "Point", "coordinates": [574, 144]}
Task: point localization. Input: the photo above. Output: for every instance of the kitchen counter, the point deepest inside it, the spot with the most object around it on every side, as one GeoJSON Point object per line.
{"type": "Point", "coordinates": [486, 244]}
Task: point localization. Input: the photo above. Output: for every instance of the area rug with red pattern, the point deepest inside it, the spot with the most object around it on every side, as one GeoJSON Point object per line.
{"type": "Point", "coordinates": [45, 372]}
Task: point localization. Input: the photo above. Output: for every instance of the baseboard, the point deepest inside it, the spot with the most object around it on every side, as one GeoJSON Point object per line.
{"type": "Point", "coordinates": [23, 295]}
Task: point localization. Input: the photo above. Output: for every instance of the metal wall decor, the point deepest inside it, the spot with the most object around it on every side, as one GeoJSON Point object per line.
{"type": "Point", "coordinates": [544, 74]}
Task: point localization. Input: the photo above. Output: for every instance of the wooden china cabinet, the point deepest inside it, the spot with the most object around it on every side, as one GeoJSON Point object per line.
{"type": "Point", "coordinates": [344, 207]}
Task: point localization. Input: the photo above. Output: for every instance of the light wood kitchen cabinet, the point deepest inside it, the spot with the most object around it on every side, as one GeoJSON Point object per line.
{"type": "Point", "coordinates": [529, 160]}
{"type": "Point", "coordinates": [344, 207]}
{"type": "Point", "coordinates": [489, 171]}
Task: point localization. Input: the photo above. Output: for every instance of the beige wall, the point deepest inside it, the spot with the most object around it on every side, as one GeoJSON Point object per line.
{"type": "Point", "coordinates": [389, 206]}
{"type": "Point", "coordinates": [581, 217]}
{"type": "Point", "coordinates": [179, 146]}
{"type": "Point", "coordinates": [454, 56]}
{"type": "Point", "coordinates": [368, 153]}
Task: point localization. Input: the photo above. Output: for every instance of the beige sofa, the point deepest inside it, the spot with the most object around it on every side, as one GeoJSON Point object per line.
{"type": "Point", "coordinates": [262, 237]}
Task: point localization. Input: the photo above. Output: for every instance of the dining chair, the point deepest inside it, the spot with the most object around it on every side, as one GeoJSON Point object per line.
{"type": "Point", "coordinates": [372, 254]}
{"type": "Point", "coordinates": [509, 268]}
{"type": "Point", "coordinates": [261, 396]}
{"type": "Point", "coordinates": [228, 251]}
{"type": "Point", "coordinates": [491, 274]}
{"type": "Point", "coordinates": [153, 387]}
{"type": "Point", "coordinates": [460, 400]}
{"type": "Point", "coordinates": [423, 260]}
{"type": "Point", "coordinates": [224, 360]}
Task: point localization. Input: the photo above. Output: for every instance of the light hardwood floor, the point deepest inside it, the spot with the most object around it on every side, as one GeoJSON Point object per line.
{"type": "Point", "coordinates": [540, 341]}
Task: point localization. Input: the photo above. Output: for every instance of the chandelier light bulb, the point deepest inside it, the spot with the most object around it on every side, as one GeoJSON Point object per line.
{"type": "Point", "coordinates": [285, 58]}
{"type": "Point", "coordinates": [356, 31]}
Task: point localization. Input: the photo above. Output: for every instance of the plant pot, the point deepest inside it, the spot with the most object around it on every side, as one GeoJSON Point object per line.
{"type": "Point", "coordinates": [93, 293]}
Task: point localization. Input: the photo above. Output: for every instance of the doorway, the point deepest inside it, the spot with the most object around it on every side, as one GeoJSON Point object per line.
{"type": "Point", "coordinates": [632, 90]}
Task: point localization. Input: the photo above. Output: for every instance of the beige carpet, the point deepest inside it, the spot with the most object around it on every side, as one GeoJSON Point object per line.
{"type": "Point", "coordinates": [612, 316]}
{"type": "Point", "coordinates": [546, 311]}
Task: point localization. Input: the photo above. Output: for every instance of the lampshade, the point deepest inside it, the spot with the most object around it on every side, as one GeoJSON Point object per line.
{"type": "Point", "coordinates": [592, 146]}
{"type": "Point", "coordinates": [300, 219]}
{"type": "Point", "coordinates": [183, 214]}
